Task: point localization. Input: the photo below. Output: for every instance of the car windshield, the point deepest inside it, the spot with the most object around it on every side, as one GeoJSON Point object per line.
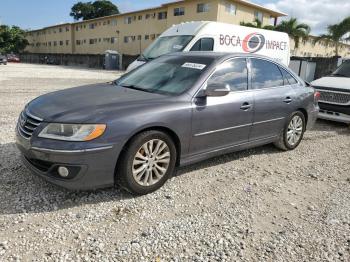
{"type": "Point", "coordinates": [166, 45]}
{"type": "Point", "coordinates": [167, 75]}
{"type": "Point", "coordinates": [343, 70]}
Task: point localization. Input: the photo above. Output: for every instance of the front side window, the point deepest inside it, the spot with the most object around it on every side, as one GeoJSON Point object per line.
{"type": "Point", "coordinates": [171, 75]}
{"type": "Point", "coordinates": [343, 70]}
{"type": "Point", "coordinates": [203, 8]}
{"type": "Point", "coordinates": [166, 45]}
{"type": "Point", "coordinates": [233, 73]}
{"type": "Point", "coordinates": [265, 74]}
{"type": "Point", "coordinates": [179, 11]}
{"type": "Point", "coordinates": [204, 44]}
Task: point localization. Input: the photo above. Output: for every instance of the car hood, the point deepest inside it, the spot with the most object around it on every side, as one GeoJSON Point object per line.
{"type": "Point", "coordinates": [90, 103]}
{"type": "Point", "coordinates": [333, 82]}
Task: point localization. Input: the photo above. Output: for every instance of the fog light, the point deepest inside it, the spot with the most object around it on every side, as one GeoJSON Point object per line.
{"type": "Point", "coordinates": [63, 171]}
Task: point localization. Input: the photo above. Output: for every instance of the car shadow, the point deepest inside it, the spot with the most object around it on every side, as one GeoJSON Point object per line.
{"type": "Point", "coordinates": [22, 192]}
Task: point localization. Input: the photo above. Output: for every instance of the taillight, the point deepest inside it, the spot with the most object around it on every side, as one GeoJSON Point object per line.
{"type": "Point", "coordinates": [317, 96]}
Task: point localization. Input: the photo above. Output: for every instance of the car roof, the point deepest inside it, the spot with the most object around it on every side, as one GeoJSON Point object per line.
{"type": "Point", "coordinates": [220, 55]}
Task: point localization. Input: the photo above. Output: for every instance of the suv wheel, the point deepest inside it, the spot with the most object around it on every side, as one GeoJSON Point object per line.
{"type": "Point", "coordinates": [292, 133]}
{"type": "Point", "coordinates": [147, 163]}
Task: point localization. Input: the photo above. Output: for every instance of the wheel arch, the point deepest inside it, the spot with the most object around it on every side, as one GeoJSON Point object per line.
{"type": "Point", "coordinates": [173, 135]}
{"type": "Point", "coordinates": [304, 112]}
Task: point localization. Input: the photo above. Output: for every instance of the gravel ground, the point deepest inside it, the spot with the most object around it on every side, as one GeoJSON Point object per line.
{"type": "Point", "coordinates": [255, 205]}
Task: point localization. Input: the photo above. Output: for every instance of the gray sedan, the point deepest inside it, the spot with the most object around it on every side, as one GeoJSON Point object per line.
{"type": "Point", "coordinates": [173, 111]}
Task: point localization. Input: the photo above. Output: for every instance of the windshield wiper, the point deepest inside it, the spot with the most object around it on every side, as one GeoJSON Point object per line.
{"type": "Point", "coordinates": [337, 74]}
{"type": "Point", "coordinates": [137, 88]}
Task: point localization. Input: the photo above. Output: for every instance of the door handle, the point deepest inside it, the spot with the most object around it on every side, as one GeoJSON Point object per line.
{"type": "Point", "coordinates": [288, 100]}
{"type": "Point", "coordinates": [245, 106]}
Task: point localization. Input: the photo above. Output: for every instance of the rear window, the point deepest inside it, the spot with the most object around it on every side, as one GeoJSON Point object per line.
{"type": "Point", "coordinates": [288, 78]}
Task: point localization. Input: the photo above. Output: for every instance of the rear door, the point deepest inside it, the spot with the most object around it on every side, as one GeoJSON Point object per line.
{"type": "Point", "coordinates": [274, 98]}
{"type": "Point", "coordinates": [221, 122]}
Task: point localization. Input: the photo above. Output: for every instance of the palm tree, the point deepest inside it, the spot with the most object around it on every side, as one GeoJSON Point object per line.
{"type": "Point", "coordinates": [257, 24]}
{"type": "Point", "coordinates": [336, 33]}
{"type": "Point", "coordinates": [294, 29]}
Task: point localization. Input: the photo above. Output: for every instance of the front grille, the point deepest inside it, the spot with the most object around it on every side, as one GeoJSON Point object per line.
{"type": "Point", "coordinates": [27, 123]}
{"type": "Point", "coordinates": [333, 97]}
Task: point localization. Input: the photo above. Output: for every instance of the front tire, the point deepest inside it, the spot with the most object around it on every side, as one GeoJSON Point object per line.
{"type": "Point", "coordinates": [147, 163]}
{"type": "Point", "coordinates": [292, 133]}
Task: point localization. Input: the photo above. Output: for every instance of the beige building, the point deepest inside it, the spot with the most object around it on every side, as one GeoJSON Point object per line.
{"type": "Point", "coordinates": [130, 33]}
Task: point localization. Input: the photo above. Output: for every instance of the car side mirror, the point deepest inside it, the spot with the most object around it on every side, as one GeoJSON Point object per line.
{"type": "Point", "coordinates": [215, 89]}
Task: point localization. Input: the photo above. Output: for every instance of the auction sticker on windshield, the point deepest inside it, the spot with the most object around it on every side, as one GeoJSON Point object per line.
{"type": "Point", "coordinates": [194, 66]}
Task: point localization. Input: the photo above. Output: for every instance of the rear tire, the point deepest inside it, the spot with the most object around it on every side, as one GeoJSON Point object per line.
{"type": "Point", "coordinates": [147, 163]}
{"type": "Point", "coordinates": [292, 133]}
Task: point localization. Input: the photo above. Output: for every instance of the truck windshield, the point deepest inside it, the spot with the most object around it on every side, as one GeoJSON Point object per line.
{"type": "Point", "coordinates": [343, 70]}
{"type": "Point", "coordinates": [169, 75]}
{"type": "Point", "coordinates": [166, 45]}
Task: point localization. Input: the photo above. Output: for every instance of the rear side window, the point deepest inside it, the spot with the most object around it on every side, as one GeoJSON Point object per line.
{"type": "Point", "coordinates": [265, 74]}
{"type": "Point", "coordinates": [233, 73]}
{"type": "Point", "coordinates": [288, 78]}
{"type": "Point", "coordinates": [203, 44]}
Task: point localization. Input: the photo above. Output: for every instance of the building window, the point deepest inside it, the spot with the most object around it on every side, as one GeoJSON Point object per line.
{"type": "Point", "coordinates": [67, 29]}
{"type": "Point", "coordinates": [91, 26]}
{"type": "Point", "coordinates": [146, 37]}
{"type": "Point", "coordinates": [162, 15]}
{"type": "Point", "coordinates": [203, 8]}
{"type": "Point", "coordinates": [55, 43]}
{"type": "Point", "coordinates": [148, 16]}
{"type": "Point", "coordinates": [61, 42]}
{"type": "Point", "coordinates": [179, 11]}
{"type": "Point", "coordinates": [140, 17]}
{"type": "Point", "coordinates": [153, 36]}
{"type": "Point", "coordinates": [67, 42]}
{"type": "Point", "coordinates": [114, 22]}
{"type": "Point", "coordinates": [49, 43]}
{"type": "Point", "coordinates": [60, 30]}
{"type": "Point", "coordinates": [126, 39]}
{"type": "Point", "coordinates": [127, 20]}
{"type": "Point", "coordinates": [258, 15]}
{"type": "Point", "coordinates": [139, 37]}
{"type": "Point", "coordinates": [76, 28]}
{"type": "Point", "coordinates": [230, 8]}
{"type": "Point", "coordinates": [84, 41]}
{"type": "Point", "coordinates": [93, 41]}
{"type": "Point", "coordinates": [78, 42]}
{"type": "Point", "coordinates": [113, 40]}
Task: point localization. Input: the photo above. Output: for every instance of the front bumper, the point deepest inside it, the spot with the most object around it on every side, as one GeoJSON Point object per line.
{"type": "Point", "coordinates": [333, 112]}
{"type": "Point", "coordinates": [90, 168]}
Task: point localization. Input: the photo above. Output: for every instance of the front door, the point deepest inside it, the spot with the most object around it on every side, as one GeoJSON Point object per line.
{"type": "Point", "coordinates": [222, 122]}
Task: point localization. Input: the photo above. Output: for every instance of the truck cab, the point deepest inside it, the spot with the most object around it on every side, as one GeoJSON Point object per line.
{"type": "Point", "coordinates": [335, 94]}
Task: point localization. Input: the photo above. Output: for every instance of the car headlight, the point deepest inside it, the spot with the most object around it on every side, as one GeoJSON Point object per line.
{"type": "Point", "coordinates": [72, 132]}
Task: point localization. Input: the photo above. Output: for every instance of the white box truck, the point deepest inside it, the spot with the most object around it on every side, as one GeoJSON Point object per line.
{"type": "Point", "coordinates": [218, 37]}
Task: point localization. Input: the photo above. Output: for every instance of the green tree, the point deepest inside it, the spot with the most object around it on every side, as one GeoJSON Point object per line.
{"type": "Point", "coordinates": [336, 33]}
{"type": "Point", "coordinates": [294, 29]}
{"type": "Point", "coordinates": [91, 10]}
{"type": "Point", "coordinates": [12, 39]}
{"type": "Point", "coordinates": [257, 24]}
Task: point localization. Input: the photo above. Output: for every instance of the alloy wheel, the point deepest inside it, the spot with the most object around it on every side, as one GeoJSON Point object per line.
{"type": "Point", "coordinates": [151, 162]}
{"type": "Point", "coordinates": [295, 130]}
